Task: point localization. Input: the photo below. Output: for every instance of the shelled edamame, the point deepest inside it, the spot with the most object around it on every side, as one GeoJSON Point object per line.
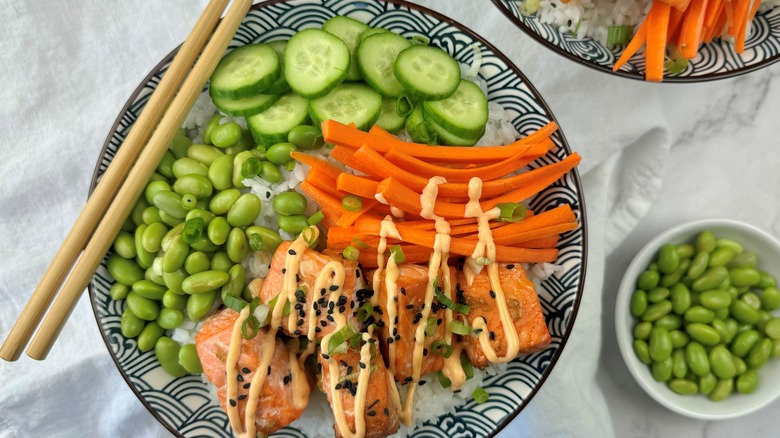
{"type": "Point", "coordinates": [703, 317]}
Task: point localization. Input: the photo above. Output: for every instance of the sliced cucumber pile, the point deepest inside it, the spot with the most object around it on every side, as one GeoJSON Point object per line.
{"type": "Point", "coordinates": [393, 82]}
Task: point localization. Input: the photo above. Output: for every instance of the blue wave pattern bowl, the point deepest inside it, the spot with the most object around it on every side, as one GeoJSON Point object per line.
{"type": "Point", "coordinates": [716, 60]}
{"type": "Point", "coordinates": [185, 406]}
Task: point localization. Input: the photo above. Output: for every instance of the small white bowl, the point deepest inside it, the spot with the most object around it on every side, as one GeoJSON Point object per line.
{"type": "Point", "coordinates": [767, 248]}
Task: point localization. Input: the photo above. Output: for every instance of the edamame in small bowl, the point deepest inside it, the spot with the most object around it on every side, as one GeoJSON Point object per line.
{"type": "Point", "coordinates": [698, 319]}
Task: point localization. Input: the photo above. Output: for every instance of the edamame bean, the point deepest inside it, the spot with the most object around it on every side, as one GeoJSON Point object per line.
{"type": "Point", "coordinates": [151, 240]}
{"type": "Point", "coordinates": [647, 280]}
{"type": "Point", "coordinates": [197, 185]}
{"type": "Point", "coordinates": [743, 313]}
{"type": "Point", "coordinates": [662, 370]}
{"type": "Point", "coordinates": [173, 300]}
{"type": "Point", "coordinates": [721, 363]}
{"type": "Point", "coordinates": [642, 352]}
{"type": "Point", "coordinates": [698, 265]}
{"type": "Point", "coordinates": [289, 203]}
{"type": "Point", "coordinates": [124, 245]}
{"type": "Point", "coordinates": [699, 314]}
{"type": "Point", "coordinates": [179, 144]}
{"type": "Point", "coordinates": [765, 280]}
{"type": "Point", "coordinates": [669, 280]}
{"type": "Point", "coordinates": [721, 256]}
{"type": "Point", "coordinates": [270, 239]}
{"type": "Point", "coordinates": [143, 308]}
{"type": "Point", "coordinates": [744, 276]}
{"type": "Point", "coordinates": [642, 330]}
{"type": "Point", "coordinates": [149, 289]}
{"type": "Point", "coordinates": [707, 383]}
{"type": "Point", "coordinates": [205, 154]}
{"type": "Point", "coordinates": [169, 220]}
{"type": "Point", "coordinates": [772, 328]}
{"type": "Point", "coordinates": [293, 224]}
{"type": "Point", "coordinates": [685, 251]}
{"type": "Point", "coordinates": [722, 389]}
{"type": "Point", "coordinates": [221, 202]}
{"type": "Point", "coordinates": [680, 297]}
{"type": "Point", "coordinates": [218, 230]}
{"type": "Point", "coordinates": [712, 279]}
{"type": "Point", "coordinates": [722, 330]}
{"type": "Point", "coordinates": [770, 298]}
{"type": "Point", "coordinates": [165, 167]}
{"type": "Point", "coordinates": [213, 122]}
{"type": "Point", "coordinates": [136, 214]}
{"type": "Point", "coordinates": [683, 386]}
{"type": "Point", "coordinates": [306, 138]}
{"type": "Point", "coordinates": [151, 215]}
{"type": "Point", "coordinates": [739, 365]}
{"type": "Point", "coordinates": [744, 341]}
{"type": "Point", "coordinates": [668, 259]}
{"type": "Point", "coordinates": [198, 305]}
{"type": "Point", "coordinates": [167, 352]}
{"type": "Point", "coordinates": [206, 215]}
{"type": "Point", "coordinates": [175, 256]}
{"type": "Point", "coordinates": [238, 165]}
{"type": "Point", "coordinates": [705, 241]}
{"type": "Point", "coordinates": [221, 172]}
{"type": "Point", "coordinates": [204, 245]}
{"type": "Point", "coordinates": [221, 262]}
{"type": "Point", "coordinates": [679, 339]}
{"type": "Point", "coordinates": [702, 333]}
{"type": "Point", "coordinates": [143, 257]}
{"type": "Point", "coordinates": [747, 382]}
{"type": "Point", "coordinates": [669, 322]}
{"type": "Point", "coordinates": [733, 245]}
{"type": "Point", "coordinates": [659, 344]}
{"type": "Point", "coordinates": [169, 319]}
{"type": "Point", "coordinates": [204, 281]}
{"type": "Point", "coordinates": [759, 354]}
{"type": "Point", "coordinates": [169, 203]}
{"type": "Point", "coordinates": [173, 280]}
{"type": "Point", "coordinates": [226, 135]}
{"type": "Point", "coordinates": [715, 299]}
{"type": "Point", "coordinates": [270, 173]}
{"type": "Point", "coordinates": [679, 366]}
{"type": "Point", "coordinates": [751, 300]}
{"type": "Point", "coordinates": [123, 270]}
{"type": "Point", "coordinates": [235, 284]}
{"type": "Point", "coordinates": [237, 245]}
{"type": "Point", "coordinates": [197, 262]}
{"type": "Point", "coordinates": [657, 310]}
{"type": "Point", "coordinates": [152, 188]}
{"type": "Point", "coordinates": [244, 211]}
{"type": "Point", "coordinates": [154, 272]}
{"type": "Point", "coordinates": [745, 259]}
{"type": "Point", "coordinates": [188, 166]}
{"type": "Point", "coordinates": [657, 294]}
{"type": "Point", "coordinates": [149, 336]}
{"type": "Point", "coordinates": [696, 357]}
{"type": "Point", "coordinates": [775, 348]}
{"type": "Point", "coordinates": [118, 291]}
{"type": "Point", "coordinates": [131, 325]}
{"type": "Point", "coordinates": [189, 360]}
{"type": "Point", "coordinates": [638, 303]}
{"type": "Point", "coordinates": [279, 153]}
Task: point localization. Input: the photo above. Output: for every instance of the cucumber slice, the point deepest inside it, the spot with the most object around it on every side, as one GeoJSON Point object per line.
{"type": "Point", "coordinates": [348, 30]}
{"type": "Point", "coordinates": [375, 58]}
{"type": "Point", "coordinates": [246, 71]}
{"type": "Point", "coordinates": [427, 72]}
{"type": "Point", "coordinates": [418, 128]}
{"type": "Point", "coordinates": [389, 120]}
{"type": "Point", "coordinates": [348, 103]}
{"type": "Point", "coordinates": [446, 138]}
{"type": "Point", "coordinates": [280, 86]}
{"type": "Point", "coordinates": [370, 31]}
{"type": "Point", "coordinates": [246, 106]}
{"type": "Point", "coordinates": [272, 125]}
{"type": "Point", "coordinates": [464, 114]}
{"type": "Point", "coordinates": [315, 62]}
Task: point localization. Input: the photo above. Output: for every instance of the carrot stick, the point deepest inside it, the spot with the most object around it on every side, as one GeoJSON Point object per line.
{"type": "Point", "coordinates": [657, 25]}
{"type": "Point", "coordinates": [342, 135]}
{"type": "Point", "coordinates": [675, 24]}
{"type": "Point", "coordinates": [543, 242]}
{"type": "Point", "coordinates": [558, 215]}
{"type": "Point", "coordinates": [472, 229]}
{"type": "Point", "coordinates": [690, 33]}
{"type": "Point", "coordinates": [379, 131]}
{"type": "Point", "coordinates": [553, 230]}
{"type": "Point", "coordinates": [325, 183]}
{"type": "Point", "coordinates": [714, 7]}
{"type": "Point", "coordinates": [720, 24]}
{"type": "Point", "coordinates": [729, 6]}
{"type": "Point", "coordinates": [739, 44]}
{"type": "Point", "coordinates": [741, 11]}
{"type": "Point", "coordinates": [753, 10]}
{"type": "Point", "coordinates": [633, 46]}
{"type": "Point", "coordinates": [331, 206]}
{"type": "Point", "coordinates": [317, 163]}
{"type": "Point", "coordinates": [356, 185]}
{"type": "Point", "coordinates": [412, 254]}
{"type": "Point", "coordinates": [349, 217]}
{"type": "Point", "coordinates": [486, 173]}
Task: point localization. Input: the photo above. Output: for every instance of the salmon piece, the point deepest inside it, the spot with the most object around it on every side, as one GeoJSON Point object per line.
{"type": "Point", "coordinates": [382, 404]}
{"type": "Point", "coordinates": [523, 304]}
{"type": "Point", "coordinates": [311, 265]}
{"type": "Point", "coordinates": [275, 407]}
{"type": "Point", "coordinates": [412, 282]}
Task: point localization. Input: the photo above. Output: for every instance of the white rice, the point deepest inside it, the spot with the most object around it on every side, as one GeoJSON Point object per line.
{"type": "Point", "coordinates": [499, 130]}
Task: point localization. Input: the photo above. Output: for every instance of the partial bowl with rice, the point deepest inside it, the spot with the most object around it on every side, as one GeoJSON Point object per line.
{"type": "Point", "coordinates": [579, 30]}
{"type": "Point", "coordinates": [186, 405]}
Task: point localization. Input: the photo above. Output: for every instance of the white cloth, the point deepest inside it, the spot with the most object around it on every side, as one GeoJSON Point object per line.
{"type": "Point", "coordinates": [67, 69]}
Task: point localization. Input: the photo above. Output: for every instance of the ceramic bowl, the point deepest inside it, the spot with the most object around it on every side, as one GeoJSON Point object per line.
{"type": "Point", "coordinates": [185, 406]}
{"type": "Point", "coordinates": [767, 248]}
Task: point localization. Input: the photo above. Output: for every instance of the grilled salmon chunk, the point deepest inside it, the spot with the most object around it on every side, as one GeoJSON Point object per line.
{"type": "Point", "coordinates": [523, 305]}
{"type": "Point", "coordinates": [275, 408]}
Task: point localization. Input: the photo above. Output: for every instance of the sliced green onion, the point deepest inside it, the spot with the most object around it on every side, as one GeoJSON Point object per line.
{"type": "Point", "coordinates": [351, 253]}
{"type": "Point", "coordinates": [193, 230]}
{"type": "Point", "coordinates": [436, 282]}
{"type": "Point", "coordinates": [577, 27]}
{"type": "Point", "coordinates": [340, 349]}
{"type": "Point", "coordinates": [360, 244]}
{"type": "Point", "coordinates": [316, 218]}
{"type": "Point", "coordinates": [398, 254]}
{"type": "Point", "coordinates": [430, 327]}
{"type": "Point", "coordinates": [423, 132]}
{"type": "Point", "coordinates": [420, 40]}
{"type": "Point", "coordinates": [364, 312]}
{"type": "Point", "coordinates": [234, 302]}
{"type": "Point", "coordinates": [256, 242]}
{"type": "Point", "coordinates": [441, 348]}
{"type": "Point", "coordinates": [480, 395]}
{"type": "Point", "coordinates": [404, 105]}
{"type": "Point", "coordinates": [483, 261]}
{"type": "Point", "coordinates": [188, 201]}
{"type": "Point", "coordinates": [511, 212]}
{"type": "Point", "coordinates": [452, 305]}
{"type": "Point", "coordinates": [251, 167]}
{"type": "Point", "coordinates": [354, 340]}
{"type": "Point", "coordinates": [459, 327]}
{"type": "Point", "coordinates": [329, 146]}
{"type": "Point", "coordinates": [443, 380]}
{"type": "Point", "coordinates": [619, 35]}
{"type": "Point", "coordinates": [352, 203]}
{"type": "Point", "coordinates": [272, 304]}
{"type": "Point", "coordinates": [251, 323]}
{"type": "Point", "coordinates": [339, 337]}
{"type": "Point", "coordinates": [468, 368]}
{"type": "Point", "coordinates": [309, 236]}
{"type": "Point", "coordinates": [675, 63]}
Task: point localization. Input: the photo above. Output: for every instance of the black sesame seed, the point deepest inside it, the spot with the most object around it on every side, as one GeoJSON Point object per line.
{"type": "Point", "coordinates": [240, 378]}
{"type": "Point", "coordinates": [337, 387]}
{"type": "Point", "coordinates": [331, 305]}
{"type": "Point", "coordinates": [425, 351]}
{"type": "Point", "coordinates": [297, 278]}
{"type": "Point", "coordinates": [421, 382]}
{"type": "Point", "coordinates": [362, 365]}
{"type": "Point", "coordinates": [389, 340]}
{"type": "Point", "coordinates": [387, 411]}
{"type": "Point", "coordinates": [492, 336]}
{"type": "Point", "coordinates": [269, 370]}
{"type": "Point", "coordinates": [409, 306]}
{"type": "Point", "coordinates": [438, 321]}
{"type": "Point", "coordinates": [325, 356]}
{"type": "Point", "coordinates": [493, 294]}
{"type": "Point", "coordinates": [357, 273]}
{"type": "Point", "coordinates": [322, 291]}
{"type": "Point", "coordinates": [318, 312]}
{"type": "Point", "coordinates": [510, 266]}
{"type": "Point", "coordinates": [334, 288]}
{"type": "Point", "coordinates": [477, 332]}
{"type": "Point", "coordinates": [298, 306]}
{"type": "Point", "coordinates": [297, 333]}
{"type": "Point", "coordinates": [245, 370]}
{"type": "Point", "coordinates": [267, 195]}
{"type": "Point", "coordinates": [417, 318]}
{"type": "Point", "coordinates": [342, 309]}
{"type": "Point", "coordinates": [403, 290]}
{"type": "Point", "coordinates": [330, 318]}
{"type": "Point", "coordinates": [349, 369]}
{"type": "Point", "coordinates": [380, 323]}
{"type": "Point", "coordinates": [353, 390]}
{"type": "Point", "coordinates": [317, 329]}
{"type": "Point", "coordinates": [351, 305]}
{"type": "Point", "coordinates": [323, 323]}
{"type": "Point", "coordinates": [370, 413]}
{"type": "Point", "coordinates": [233, 403]}
{"type": "Point", "coordinates": [284, 270]}
{"type": "Point", "coordinates": [287, 379]}
{"type": "Point", "coordinates": [241, 397]}
{"type": "Point", "coordinates": [397, 337]}
{"type": "Point", "coordinates": [395, 331]}
{"type": "Point", "coordinates": [300, 321]}
{"type": "Point", "coordinates": [408, 379]}
{"type": "Point", "coordinates": [247, 385]}
{"type": "Point", "coordinates": [343, 363]}
{"type": "Point", "coordinates": [291, 252]}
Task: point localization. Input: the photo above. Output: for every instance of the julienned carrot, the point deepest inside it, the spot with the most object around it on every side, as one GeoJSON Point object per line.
{"type": "Point", "coordinates": [317, 163]}
{"type": "Point", "coordinates": [325, 183]}
{"type": "Point", "coordinates": [556, 216]}
{"type": "Point", "coordinates": [486, 173]}
{"type": "Point", "coordinates": [633, 46]}
{"type": "Point", "coordinates": [379, 131]}
{"type": "Point", "coordinates": [349, 217]}
{"type": "Point", "coordinates": [655, 52]}
{"type": "Point", "coordinates": [690, 33]}
{"type": "Point", "coordinates": [553, 230]}
{"type": "Point", "coordinates": [472, 229]}
{"type": "Point", "coordinates": [713, 11]}
{"type": "Point", "coordinates": [331, 207]}
{"type": "Point", "coordinates": [675, 24]}
{"type": "Point", "coordinates": [741, 12]}
{"type": "Point", "coordinates": [356, 185]}
{"type": "Point", "coordinates": [412, 254]}
{"type": "Point", "coordinates": [739, 43]}
{"type": "Point", "coordinates": [543, 242]}
{"type": "Point", "coordinates": [678, 5]}
{"type": "Point", "coordinates": [342, 135]}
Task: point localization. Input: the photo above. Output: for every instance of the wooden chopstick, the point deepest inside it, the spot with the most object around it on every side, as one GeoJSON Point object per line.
{"type": "Point", "coordinates": [137, 178]}
{"type": "Point", "coordinates": [112, 179]}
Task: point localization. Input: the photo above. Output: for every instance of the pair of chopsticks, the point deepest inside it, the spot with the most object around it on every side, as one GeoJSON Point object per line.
{"type": "Point", "coordinates": [123, 182]}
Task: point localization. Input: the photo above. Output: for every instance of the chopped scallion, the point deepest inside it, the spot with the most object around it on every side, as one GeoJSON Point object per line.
{"type": "Point", "coordinates": [352, 203]}
{"type": "Point", "coordinates": [193, 230]}
{"type": "Point", "coordinates": [448, 303]}
{"type": "Point", "coordinates": [443, 380]}
{"type": "Point", "coordinates": [250, 327]}
{"type": "Point", "coordinates": [251, 167]}
{"type": "Point", "coordinates": [459, 327]}
{"type": "Point", "coordinates": [404, 105]}
{"type": "Point", "coordinates": [256, 242]}
{"type": "Point", "coordinates": [468, 368]}
{"type": "Point", "coordinates": [441, 348]}
{"type": "Point", "coordinates": [364, 312]}
{"type": "Point", "coordinates": [480, 395]}
{"type": "Point", "coordinates": [675, 63]}
{"type": "Point", "coordinates": [619, 35]}
{"type": "Point", "coordinates": [316, 218]}
{"type": "Point", "coordinates": [483, 261]}
{"type": "Point", "coordinates": [398, 254]}
{"type": "Point", "coordinates": [351, 253]}
{"type": "Point", "coordinates": [420, 40]}
{"type": "Point", "coordinates": [430, 327]}
{"type": "Point", "coordinates": [234, 302]}
{"type": "Point", "coordinates": [339, 337]}
{"type": "Point", "coordinates": [309, 236]}
{"type": "Point", "coordinates": [511, 212]}
{"type": "Point", "coordinates": [360, 244]}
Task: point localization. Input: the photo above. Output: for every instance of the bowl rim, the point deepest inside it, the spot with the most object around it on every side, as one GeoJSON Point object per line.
{"type": "Point", "coordinates": [622, 315]}
{"type": "Point", "coordinates": [708, 77]}
{"type": "Point", "coordinates": [536, 95]}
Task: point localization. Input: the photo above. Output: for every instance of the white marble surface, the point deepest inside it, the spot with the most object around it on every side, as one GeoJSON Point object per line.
{"type": "Point", "coordinates": [655, 155]}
